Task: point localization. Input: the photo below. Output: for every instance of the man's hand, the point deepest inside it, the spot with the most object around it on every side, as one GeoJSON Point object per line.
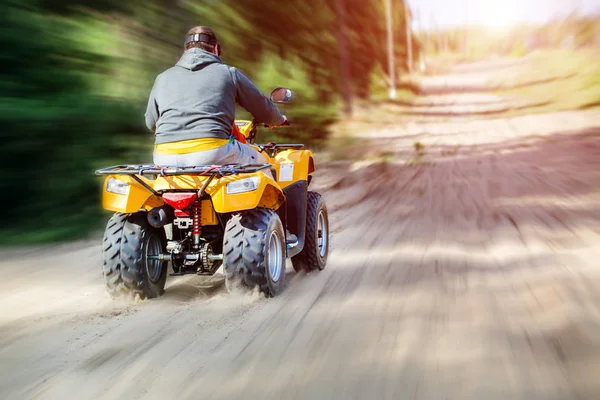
{"type": "Point", "coordinates": [285, 122]}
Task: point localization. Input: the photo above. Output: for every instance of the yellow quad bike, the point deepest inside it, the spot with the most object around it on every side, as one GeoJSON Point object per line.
{"type": "Point", "coordinates": [199, 218]}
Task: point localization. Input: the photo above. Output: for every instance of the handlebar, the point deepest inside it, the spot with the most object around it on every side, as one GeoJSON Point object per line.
{"type": "Point", "coordinates": [254, 124]}
{"type": "Point", "coordinates": [275, 146]}
{"type": "Point", "coordinates": [285, 123]}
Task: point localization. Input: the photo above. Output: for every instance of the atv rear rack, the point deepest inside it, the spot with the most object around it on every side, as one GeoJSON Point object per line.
{"type": "Point", "coordinates": [200, 170]}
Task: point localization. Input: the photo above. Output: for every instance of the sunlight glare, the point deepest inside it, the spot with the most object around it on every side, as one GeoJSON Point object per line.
{"type": "Point", "coordinates": [495, 14]}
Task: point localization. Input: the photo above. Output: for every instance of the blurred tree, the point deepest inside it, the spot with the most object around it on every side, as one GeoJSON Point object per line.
{"type": "Point", "coordinates": [76, 75]}
{"type": "Point", "coordinates": [52, 131]}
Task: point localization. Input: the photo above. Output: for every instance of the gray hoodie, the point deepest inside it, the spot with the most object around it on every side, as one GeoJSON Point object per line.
{"type": "Point", "coordinates": [196, 99]}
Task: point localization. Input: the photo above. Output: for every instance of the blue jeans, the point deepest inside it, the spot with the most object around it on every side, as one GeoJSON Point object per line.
{"type": "Point", "coordinates": [231, 153]}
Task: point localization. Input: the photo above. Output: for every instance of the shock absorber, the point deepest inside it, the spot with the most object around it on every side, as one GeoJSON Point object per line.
{"type": "Point", "coordinates": [196, 226]}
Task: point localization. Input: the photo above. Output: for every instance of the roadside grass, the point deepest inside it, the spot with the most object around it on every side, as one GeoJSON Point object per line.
{"type": "Point", "coordinates": [406, 93]}
{"type": "Point", "coordinates": [542, 82]}
{"type": "Point", "coordinates": [377, 112]}
{"type": "Point", "coordinates": [554, 81]}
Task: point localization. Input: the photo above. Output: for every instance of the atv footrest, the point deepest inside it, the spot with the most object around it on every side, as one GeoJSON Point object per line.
{"type": "Point", "coordinates": [292, 241]}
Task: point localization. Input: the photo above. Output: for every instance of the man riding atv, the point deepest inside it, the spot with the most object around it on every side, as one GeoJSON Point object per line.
{"type": "Point", "coordinates": [192, 105]}
{"type": "Point", "coordinates": [209, 200]}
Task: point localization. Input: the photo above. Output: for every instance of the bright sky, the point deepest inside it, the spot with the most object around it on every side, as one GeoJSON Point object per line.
{"type": "Point", "coordinates": [493, 13]}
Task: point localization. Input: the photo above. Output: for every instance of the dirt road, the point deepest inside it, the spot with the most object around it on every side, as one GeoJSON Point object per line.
{"type": "Point", "coordinates": [468, 268]}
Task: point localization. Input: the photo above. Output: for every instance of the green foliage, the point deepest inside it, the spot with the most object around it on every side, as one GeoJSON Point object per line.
{"type": "Point", "coordinates": [309, 118]}
{"type": "Point", "coordinates": [52, 130]}
{"type": "Point", "coordinates": [76, 76]}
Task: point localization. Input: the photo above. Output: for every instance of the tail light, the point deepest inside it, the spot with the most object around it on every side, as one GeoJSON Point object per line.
{"type": "Point", "coordinates": [179, 201]}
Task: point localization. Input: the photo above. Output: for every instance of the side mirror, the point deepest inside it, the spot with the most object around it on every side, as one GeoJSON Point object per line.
{"type": "Point", "coordinates": [281, 95]}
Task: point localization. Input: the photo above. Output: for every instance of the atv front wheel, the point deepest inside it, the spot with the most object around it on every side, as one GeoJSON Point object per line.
{"type": "Point", "coordinates": [316, 245]}
{"type": "Point", "coordinates": [254, 250]}
{"type": "Point", "coordinates": [129, 247]}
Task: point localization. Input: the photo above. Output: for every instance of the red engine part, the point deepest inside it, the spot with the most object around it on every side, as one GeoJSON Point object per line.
{"type": "Point", "coordinates": [178, 200]}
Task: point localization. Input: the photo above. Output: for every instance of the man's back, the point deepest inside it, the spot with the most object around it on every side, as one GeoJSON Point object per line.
{"type": "Point", "coordinates": [195, 99]}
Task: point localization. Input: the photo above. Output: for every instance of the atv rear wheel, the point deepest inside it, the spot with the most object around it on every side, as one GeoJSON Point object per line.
{"type": "Point", "coordinates": [316, 244]}
{"type": "Point", "coordinates": [129, 243]}
{"type": "Point", "coordinates": [254, 251]}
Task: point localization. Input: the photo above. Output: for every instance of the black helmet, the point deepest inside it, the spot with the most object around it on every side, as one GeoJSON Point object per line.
{"type": "Point", "coordinates": [202, 34]}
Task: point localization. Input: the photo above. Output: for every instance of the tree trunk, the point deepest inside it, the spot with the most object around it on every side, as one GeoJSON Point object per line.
{"type": "Point", "coordinates": [407, 15]}
{"type": "Point", "coordinates": [344, 61]}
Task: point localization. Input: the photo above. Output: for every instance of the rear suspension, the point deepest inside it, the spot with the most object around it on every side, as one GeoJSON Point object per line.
{"type": "Point", "coordinates": [196, 211]}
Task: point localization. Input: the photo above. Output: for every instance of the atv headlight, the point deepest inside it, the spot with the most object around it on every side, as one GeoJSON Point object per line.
{"type": "Point", "coordinates": [117, 186]}
{"type": "Point", "coordinates": [243, 185]}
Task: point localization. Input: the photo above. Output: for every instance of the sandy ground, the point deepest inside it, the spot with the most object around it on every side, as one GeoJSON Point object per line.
{"type": "Point", "coordinates": [471, 271]}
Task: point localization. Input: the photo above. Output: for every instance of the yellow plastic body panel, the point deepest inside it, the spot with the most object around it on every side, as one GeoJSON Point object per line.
{"type": "Point", "coordinates": [268, 194]}
{"type": "Point", "coordinates": [302, 161]}
{"type": "Point", "coordinates": [139, 198]}
{"type": "Point", "coordinates": [208, 215]}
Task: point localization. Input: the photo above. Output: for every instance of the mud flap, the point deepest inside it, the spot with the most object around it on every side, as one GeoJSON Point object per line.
{"type": "Point", "coordinates": [293, 213]}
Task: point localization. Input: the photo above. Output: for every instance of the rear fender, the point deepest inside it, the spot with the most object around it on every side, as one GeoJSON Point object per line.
{"type": "Point", "coordinates": [293, 213]}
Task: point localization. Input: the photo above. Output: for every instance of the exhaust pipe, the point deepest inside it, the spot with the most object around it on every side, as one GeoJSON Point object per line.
{"type": "Point", "coordinates": [160, 216]}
